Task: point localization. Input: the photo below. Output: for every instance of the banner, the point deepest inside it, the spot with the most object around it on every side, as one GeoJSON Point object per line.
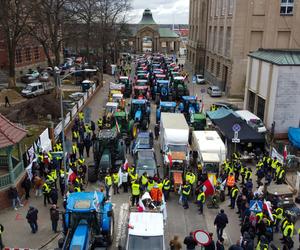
{"type": "Point", "coordinates": [275, 153]}
{"type": "Point", "coordinates": [45, 142]}
{"type": "Point", "coordinates": [68, 118]}
{"type": "Point", "coordinates": [57, 130]}
{"type": "Point", "coordinates": [85, 97]}
{"type": "Point", "coordinates": [80, 103]}
{"type": "Point", "coordinates": [74, 111]}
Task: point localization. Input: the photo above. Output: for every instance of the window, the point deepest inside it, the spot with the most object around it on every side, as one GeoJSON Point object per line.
{"type": "Point", "coordinates": [227, 42]}
{"type": "Point", "coordinates": [207, 62]}
{"type": "Point", "coordinates": [212, 65]}
{"type": "Point", "coordinates": [221, 34]}
{"type": "Point", "coordinates": [261, 108]}
{"type": "Point", "coordinates": [36, 53]}
{"type": "Point", "coordinates": [18, 56]}
{"type": "Point", "coordinates": [230, 7]}
{"type": "Point", "coordinates": [286, 7]}
{"type": "Point", "coordinates": [251, 101]}
{"type": "Point", "coordinates": [212, 8]}
{"type": "Point", "coordinates": [223, 7]}
{"type": "Point", "coordinates": [27, 54]}
{"type": "Point", "coordinates": [218, 69]}
{"type": "Point", "coordinates": [215, 39]}
{"type": "Point", "coordinates": [217, 7]}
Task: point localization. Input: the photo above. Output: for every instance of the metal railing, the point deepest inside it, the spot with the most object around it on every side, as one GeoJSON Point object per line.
{"type": "Point", "coordinates": [4, 180]}
{"type": "Point", "coordinates": [18, 170]}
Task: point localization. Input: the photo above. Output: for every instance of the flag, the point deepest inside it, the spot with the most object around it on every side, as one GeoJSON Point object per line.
{"type": "Point", "coordinates": [125, 165]}
{"type": "Point", "coordinates": [285, 152]}
{"type": "Point", "coordinates": [208, 188]}
{"type": "Point", "coordinates": [170, 158]}
{"type": "Point", "coordinates": [71, 175]}
{"type": "Point", "coordinates": [267, 204]}
{"type": "Point", "coordinates": [120, 174]}
{"type": "Point", "coordinates": [96, 202]}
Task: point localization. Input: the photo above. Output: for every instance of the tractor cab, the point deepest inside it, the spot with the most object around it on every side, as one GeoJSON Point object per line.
{"type": "Point", "coordinates": [179, 88]}
{"type": "Point", "coordinates": [141, 83]}
{"type": "Point", "coordinates": [142, 76]}
{"type": "Point", "coordinates": [127, 83]}
{"type": "Point", "coordinates": [198, 121]}
{"type": "Point", "coordinates": [174, 74]}
{"type": "Point", "coordinates": [141, 92]}
{"type": "Point", "coordinates": [140, 112]}
{"type": "Point", "coordinates": [156, 66]}
{"type": "Point", "coordinates": [111, 107]}
{"type": "Point", "coordinates": [118, 98]}
{"type": "Point", "coordinates": [190, 104]}
{"type": "Point", "coordinates": [88, 221]}
{"type": "Point", "coordinates": [166, 107]}
{"type": "Point", "coordinates": [160, 77]}
{"type": "Point", "coordinates": [122, 124]}
{"type": "Point", "coordinates": [162, 90]}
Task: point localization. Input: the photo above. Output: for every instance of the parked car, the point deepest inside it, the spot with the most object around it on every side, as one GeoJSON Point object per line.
{"type": "Point", "coordinates": [146, 162]}
{"type": "Point", "coordinates": [30, 76]}
{"type": "Point", "coordinates": [226, 105]}
{"type": "Point", "coordinates": [44, 76]}
{"type": "Point", "coordinates": [214, 91]}
{"type": "Point", "coordinates": [200, 79]}
{"type": "Point", "coordinates": [252, 120]}
{"type": "Point", "coordinates": [37, 88]}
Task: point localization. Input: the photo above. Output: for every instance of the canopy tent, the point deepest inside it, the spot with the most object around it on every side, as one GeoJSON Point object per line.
{"type": "Point", "coordinates": [219, 113]}
{"type": "Point", "coordinates": [294, 136]}
{"type": "Point", "coordinates": [246, 134]}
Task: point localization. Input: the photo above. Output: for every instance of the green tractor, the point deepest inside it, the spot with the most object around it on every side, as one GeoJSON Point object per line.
{"type": "Point", "coordinates": [198, 121]}
{"type": "Point", "coordinates": [125, 126]}
{"type": "Point", "coordinates": [109, 154]}
{"type": "Point", "coordinates": [179, 88]}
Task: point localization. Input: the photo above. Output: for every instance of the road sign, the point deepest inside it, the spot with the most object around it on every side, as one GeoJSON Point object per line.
{"type": "Point", "coordinates": [236, 135]}
{"type": "Point", "coordinates": [236, 140]}
{"type": "Point", "coordinates": [194, 79]}
{"type": "Point", "coordinates": [202, 237]}
{"type": "Point", "coordinates": [256, 206]}
{"type": "Point", "coordinates": [202, 90]}
{"type": "Point", "coordinates": [236, 128]}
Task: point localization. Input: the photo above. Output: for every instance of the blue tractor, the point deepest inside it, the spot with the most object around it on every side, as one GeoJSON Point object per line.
{"type": "Point", "coordinates": [140, 113]}
{"type": "Point", "coordinates": [162, 91]}
{"type": "Point", "coordinates": [188, 106]}
{"type": "Point", "coordinates": [167, 107]}
{"type": "Point", "coordinates": [88, 222]}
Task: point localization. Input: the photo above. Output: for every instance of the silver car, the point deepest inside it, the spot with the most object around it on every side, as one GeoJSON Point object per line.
{"type": "Point", "coordinates": [214, 91]}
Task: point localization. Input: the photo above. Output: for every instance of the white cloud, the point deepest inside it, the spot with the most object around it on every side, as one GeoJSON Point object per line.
{"type": "Point", "coordinates": [164, 11]}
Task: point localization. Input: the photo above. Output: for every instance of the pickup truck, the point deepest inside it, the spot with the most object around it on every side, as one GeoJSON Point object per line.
{"type": "Point", "coordinates": [37, 88]}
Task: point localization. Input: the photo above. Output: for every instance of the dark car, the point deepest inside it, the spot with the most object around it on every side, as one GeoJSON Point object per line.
{"type": "Point", "coordinates": [145, 161]}
{"type": "Point", "coordinates": [226, 105]}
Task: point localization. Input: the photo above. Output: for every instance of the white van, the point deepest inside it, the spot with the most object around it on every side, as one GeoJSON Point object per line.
{"type": "Point", "coordinates": [252, 120]}
{"type": "Point", "coordinates": [37, 88]}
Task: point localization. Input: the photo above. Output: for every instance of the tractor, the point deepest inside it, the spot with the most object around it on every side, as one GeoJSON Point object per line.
{"type": "Point", "coordinates": [128, 86]}
{"type": "Point", "coordinates": [109, 155]}
{"type": "Point", "coordinates": [141, 92]}
{"type": "Point", "coordinates": [179, 88]}
{"type": "Point", "coordinates": [189, 106]}
{"type": "Point", "coordinates": [140, 114]}
{"type": "Point", "coordinates": [162, 91]}
{"type": "Point", "coordinates": [123, 124]}
{"type": "Point", "coordinates": [198, 121]}
{"type": "Point", "coordinates": [89, 222]}
{"type": "Point", "coordinates": [167, 107]}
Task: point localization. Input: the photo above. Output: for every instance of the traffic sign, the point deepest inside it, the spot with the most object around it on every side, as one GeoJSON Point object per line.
{"type": "Point", "coordinates": [256, 206]}
{"type": "Point", "coordinates": [236, 140]}
{"type": "Point", "coordinates": [236, 128]}
{"type": "Point", "coordinates": [202, 90]}
{"type": "Point", "coordinates": [194, 79]}
{"type": "Point", "coordinates": [236, 135]}
{"type": "Point", "coordinates": [202, 237]}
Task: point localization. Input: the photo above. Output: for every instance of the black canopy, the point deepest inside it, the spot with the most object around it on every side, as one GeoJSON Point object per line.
{"type": "Point", "coordinates": [246, 134]}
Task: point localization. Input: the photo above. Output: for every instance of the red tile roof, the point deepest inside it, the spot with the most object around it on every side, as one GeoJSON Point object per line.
{"type": "Point", "coordinates": [10, 133]}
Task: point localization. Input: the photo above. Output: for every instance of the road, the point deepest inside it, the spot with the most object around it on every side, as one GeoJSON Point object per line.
{"type": "Point", "coordinates": [179, 222]}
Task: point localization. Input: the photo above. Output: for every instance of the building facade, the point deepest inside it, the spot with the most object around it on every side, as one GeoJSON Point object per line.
{"type": "Point", "coordinates": [149, 36]}
{"type": "Point", "coordinates": [233, 29]}
{"type": "Point", "coordinates": [273, 88]}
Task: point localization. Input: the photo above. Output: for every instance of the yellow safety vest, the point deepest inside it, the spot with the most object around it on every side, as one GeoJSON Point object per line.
{"type": "Point", "coordinates": [192, 178]}
{"type": "Point", "coordinates": [201, 197]}
{"type": "Point", "coordinates": [80, 161]}
{"type": "Point", "coordinates": [234, 192]}
{"type": "Point", "coordinates": [279, 212]}
{"type": "Point", "coordinates": [46, 188]}
{"type": "Point", "coordinates": [260, 216]}
{"type": "Point", "coordinates": [144, 180]}
{"type": "Point", "coordinates": [150, 185]}
{"type": "Point", "coordinates": [274, 164]}
{"type": "Point", "coordinates": [108, 180]}
{"type": "Point", "coordinates": [77, 189]}
{"type": "Point", "coordinates": [75, 134]}
{"type": "Point", "coordinates": [74, 149]}
{"type": "Point", "coordinates": [258, 247]}
{"type": "Point", "coordinates": [160, 185]}
{"type": "Point", "coordinates": [184, 191]}
{"type": "Point", "coordinates": [281, 173]}
{"type": "Point", "coordinates": [50, 177]}
{"type": "Point", "coordinates": [285, 231]}
{"type": "Point", "coordinates": [100, 122]}
{"type": "Point", "coordinates": [116, 178]}
{"type": "Point", "coordinates": [166, 184]}
{"type": "Point", "coordinates": [135, 189]}
{"type": "Point", "coordinates": [54, 174]}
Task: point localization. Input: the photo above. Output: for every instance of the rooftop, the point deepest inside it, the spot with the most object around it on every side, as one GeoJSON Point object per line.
{"type": "Point", "coordinates": [10, 133]}
{"type": "Point", "coordinates": [167, 32]}
{"type": "Point", "coordinates": [285, 57]}
{"type": "Point", "coordinates": [147, 18]}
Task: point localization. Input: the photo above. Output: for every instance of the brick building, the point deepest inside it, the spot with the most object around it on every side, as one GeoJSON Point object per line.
{"type": "Point", "coordinates": [223, 32]}
{"type": "Point", "coordinates": [29, 55]}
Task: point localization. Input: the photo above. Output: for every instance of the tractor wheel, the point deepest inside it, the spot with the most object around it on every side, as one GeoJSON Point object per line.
{"type": "Point", "coordinates": [92, 175]}
{"type": "Point", "coordinates": [110, 236]}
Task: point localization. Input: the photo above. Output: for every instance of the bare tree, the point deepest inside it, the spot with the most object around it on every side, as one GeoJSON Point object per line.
{"type": "Point", "coordinates": [14, 15]}
{"type": "Point", "coordinates": [47, 19]}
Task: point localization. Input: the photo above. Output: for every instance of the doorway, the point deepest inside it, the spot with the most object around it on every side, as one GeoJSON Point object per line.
{"type": "Point", "coordinates": [147, 44]}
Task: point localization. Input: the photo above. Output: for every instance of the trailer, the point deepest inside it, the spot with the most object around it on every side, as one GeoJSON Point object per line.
{"type": "Point", "coordinates": [210, 149]}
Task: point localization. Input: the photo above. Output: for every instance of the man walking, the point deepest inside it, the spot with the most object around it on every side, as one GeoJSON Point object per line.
{"type": "Point", "coordinates": [32, 219]}
{"type": "Point", "coordinates": [13, 195]}
{"type": "Point", "coordinates": [220, 222]}
{"type": "Point", "coordinates": [7, 104]}
{"type": "Point", "coordinates": [54, 216]}
{"type": "Point", "coordinates": [190, 242]}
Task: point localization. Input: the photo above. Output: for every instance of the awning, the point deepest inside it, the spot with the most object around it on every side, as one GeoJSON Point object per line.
{"type": "Point", "coordinates": [294, 136]}
{"type": "Point", "coordinates": [246, 134]}
{"type": "Point", "coordinates": [219, 113]}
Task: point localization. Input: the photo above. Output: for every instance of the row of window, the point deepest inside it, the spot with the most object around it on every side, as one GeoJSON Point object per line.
{"type": "Point", "coordinates": [27, 54]}
{"type": "Point", "coordinates": [286, 7]}
{"type": "Point", "coordinates": [216, 40]}
{"type": "Point", "coordinates": [221, 7]}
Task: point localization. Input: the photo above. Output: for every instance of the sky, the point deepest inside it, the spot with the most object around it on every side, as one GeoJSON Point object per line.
{"type": "Point", "coordinates": [164, 11]}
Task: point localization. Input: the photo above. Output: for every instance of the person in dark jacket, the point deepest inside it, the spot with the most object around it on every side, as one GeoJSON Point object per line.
{"type": "Point", "coordinates": [87, 144]}
{"type": "Point", "coordinates": [211, 245]}
{"type": "Point", "coordinates": [80, 146]}
{"type": "Point", "coordinates": [220, 244]}
{"type": "Point", "coordinates": [54, 216]}
{"type": "Point", "coordinates": [32, 217]}
{"type": "Point", "coordinates": [220, 222]}
{"type": "Point", "coordinates": [1, 232]}
{"type": "Point", "coordinates": [13, 195]}
{"type": "Point", "coordinates": [236, 246]}
{"type": "Point", "coordinates": [190, 242]}
{"type": "Point", "coordinates": [127, 144]}
{"type": "Point", "coordinates": [247, 243]}
{"type": "Point", "coordinates": [26, 184]}
{"type": "Point", "coordinates": [156, 131]}
{"type": "Point", "coordinates": [54, 196]}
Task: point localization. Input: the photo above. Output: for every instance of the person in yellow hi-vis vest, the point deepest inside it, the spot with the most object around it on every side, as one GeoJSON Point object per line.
{"type": "Point", "coordinates": [116, 178]}
{"type": "Point", "coordinates": [108, 184]}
